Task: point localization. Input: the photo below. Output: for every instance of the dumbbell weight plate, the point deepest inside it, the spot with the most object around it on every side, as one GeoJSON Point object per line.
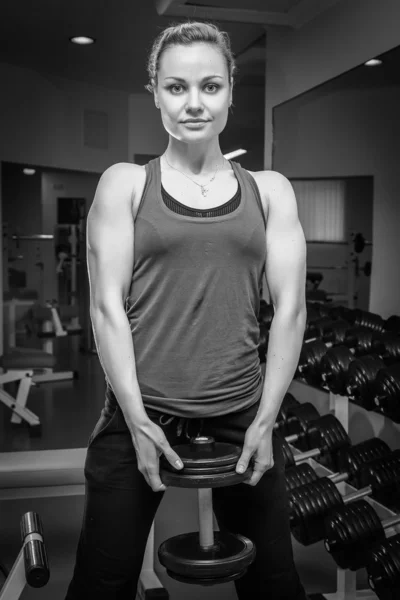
{"type": "Point", "coordinates": [383, 475]}
{"type": "Point", "coordinates": [297, 421]}
{"type": "Point", "coordinates": [206, 464]}
{"type": "Point", "coordinates": [351, 460]}
{"type": "Point", "coordinates": [329, 435]}
{"type": "Point", "coordinates": [308, 506]}
{"type": "Point", "coordinates": [350, 531]}
{"type": "Point", "coordinates": [206, 452]}
{"type": "Point", "coordinates": [186, 561]}
{"type": "Point", "coordinates": [383, 569]}
{"type": "Point", "coordinates": [361, 380]}
{"type": "Point", "coordinates": [334, 367]}
{"type": "Point", "coordinates": [299, 475]}
{"type": "Point", "coordinates": [288, 402]}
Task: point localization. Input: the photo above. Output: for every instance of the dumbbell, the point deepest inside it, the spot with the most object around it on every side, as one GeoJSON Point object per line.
{"type": "Point", "coordinates": [387, 392]}
{"type": "Point", "coordinates": [361, 379]}
{"type": "Point", "coordinates": [335, 363]}
{"type": "Point", "coordinates": [206, 557]}
{"type": "Point", "coordinates": [324, 436]}
{"type": "Point", "coordinates": [310, 366]}
{"type": "Point", "coordinates": [367, 320]}
{"type": "Point", "coordinates": [352, 530]}
{"type": "Point", "coordinates": [350, 460]}
{"type": "Point", "coordinates": [383, 569]}
{"type": "Point", "coordinates": [288, 402]}
{"type": "Point", "coordinates": [311, 503]}
{"type": "Point", "coordinates": [383, 472]}
{"type": "Point", "coordinates": [340, 369]}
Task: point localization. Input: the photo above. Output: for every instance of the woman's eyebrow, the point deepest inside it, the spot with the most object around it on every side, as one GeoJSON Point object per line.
{"type": "Point", "coordinates": [204, 78]}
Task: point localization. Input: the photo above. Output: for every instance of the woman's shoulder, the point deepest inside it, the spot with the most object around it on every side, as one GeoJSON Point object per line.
{"type": "Point", "coordinates": [268, 179]}
{"type": "Point", "coordinates": [123, 176]}
{"type": "Point", "coordinates": [276, 191]}
{"type": "Point", "coordinates": [122, 170]}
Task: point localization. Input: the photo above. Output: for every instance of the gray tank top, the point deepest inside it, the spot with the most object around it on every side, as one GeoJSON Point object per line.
{"type": "Point", "coordinates": [194, 300]}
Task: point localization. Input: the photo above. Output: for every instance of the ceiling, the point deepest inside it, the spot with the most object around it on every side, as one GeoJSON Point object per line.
{"type": "Point", "coordinates": [363, 77]}
{"type": "Point", "coordinates": [36, 34]}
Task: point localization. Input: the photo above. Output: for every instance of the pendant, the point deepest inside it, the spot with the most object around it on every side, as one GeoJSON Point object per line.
{"type": "Point", "coordinates": [204, 190]}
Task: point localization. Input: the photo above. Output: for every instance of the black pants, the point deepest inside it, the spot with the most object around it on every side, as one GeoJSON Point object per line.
{"type": "Point", "coordinates": [120, 507]}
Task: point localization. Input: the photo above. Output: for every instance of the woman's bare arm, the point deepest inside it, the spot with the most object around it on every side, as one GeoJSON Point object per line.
{"type": "Point", "coordinates": [285, 274]}
{"type": "Point", "coordinates": [110, 253]}
{"type": "Point", "coordinates": [110, 256]}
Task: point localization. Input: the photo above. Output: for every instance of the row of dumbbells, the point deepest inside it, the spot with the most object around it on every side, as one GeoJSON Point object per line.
{"type": "Point", "coordinates": [351, 353]}
{"type": "Point", "coordinates": [351, 529]}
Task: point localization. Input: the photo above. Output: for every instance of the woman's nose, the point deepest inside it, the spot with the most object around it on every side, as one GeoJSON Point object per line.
{"type": "Point", "coordinates": [194, 101]}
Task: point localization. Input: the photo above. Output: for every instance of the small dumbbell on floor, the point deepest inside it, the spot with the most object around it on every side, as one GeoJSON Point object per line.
{"type": "Point", "coordinates": [311, 503]}
{"type": "Point", "coordinates": [350, 460]}
{"type": "Point", "coordinates": [206, 557]}
{"type": "Point", "coordinates": [351, 532]}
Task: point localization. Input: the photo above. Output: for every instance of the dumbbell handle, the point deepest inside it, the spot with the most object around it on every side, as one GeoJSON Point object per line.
{"type": "Point", "coordinates": [338, 477]}
{"type": "Point", "coordinates": [206, 528]}
{"type": "Point", "coordinates": [367, 491]}
{"type": "Point", "coordinates": [306, 455]}
{"type": "Point", "coordinates": [391, 522]}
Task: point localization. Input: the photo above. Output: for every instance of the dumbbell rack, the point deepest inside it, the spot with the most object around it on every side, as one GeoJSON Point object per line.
{"type": "Point", "coordinates": [346, 579]}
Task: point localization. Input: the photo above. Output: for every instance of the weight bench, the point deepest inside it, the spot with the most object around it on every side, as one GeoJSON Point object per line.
{"type": "Point", "coordinates": [21, 364]}
{"type": "Point", "coordinates": [54, 473]}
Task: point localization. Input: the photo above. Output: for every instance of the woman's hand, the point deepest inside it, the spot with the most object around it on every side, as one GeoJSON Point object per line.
{"type": "Point", "coordinates": [150, 442]}
{"type": "Point", "coordinates": [258, 447]}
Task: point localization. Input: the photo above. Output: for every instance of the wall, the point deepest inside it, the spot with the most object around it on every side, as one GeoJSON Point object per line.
{"type": "Point", "coordinates": [343, 37]}
{"type": "Point", "coordinates": [350, 133]}
{"type": "Point", "coordinates": [41, 120]}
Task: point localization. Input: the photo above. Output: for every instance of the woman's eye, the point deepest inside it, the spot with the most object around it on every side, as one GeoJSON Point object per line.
{"type": "Point", "coordinates": [214, 87]}
{"type": "Point", "coordinates": [176, 88]}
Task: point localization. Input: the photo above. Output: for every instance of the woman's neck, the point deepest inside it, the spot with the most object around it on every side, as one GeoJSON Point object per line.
{"type": "Point", "coordinates": [194, 158]}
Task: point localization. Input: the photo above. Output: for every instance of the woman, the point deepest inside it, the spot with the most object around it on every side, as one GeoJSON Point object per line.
{"type": "Point", "coordinates": [176, 255]}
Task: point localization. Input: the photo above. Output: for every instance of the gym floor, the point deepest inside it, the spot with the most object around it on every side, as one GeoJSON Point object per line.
{"type": "Point", "coordinates": [68, 412]}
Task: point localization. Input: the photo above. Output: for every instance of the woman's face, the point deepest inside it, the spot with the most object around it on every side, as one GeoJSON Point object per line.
{"type": "Point", "coordinates": [193, 85]}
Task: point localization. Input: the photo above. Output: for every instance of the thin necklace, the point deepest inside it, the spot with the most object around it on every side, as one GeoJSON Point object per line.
{"type": "Point", "coordinates": [204, 188]}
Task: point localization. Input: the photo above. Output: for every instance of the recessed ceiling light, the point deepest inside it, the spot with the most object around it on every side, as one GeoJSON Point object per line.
{"type": "Point", "coordinates": [374, 62]}
{"type": "Point", "coordinates": [29, 171]}
{"type": "Point", "coordinates": [82, 40]}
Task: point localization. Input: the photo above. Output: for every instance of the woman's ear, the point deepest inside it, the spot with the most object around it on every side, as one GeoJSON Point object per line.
{"type": "Point", "coordinates": [156, 100]}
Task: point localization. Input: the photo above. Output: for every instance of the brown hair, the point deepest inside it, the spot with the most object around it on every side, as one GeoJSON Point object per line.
{"type": "Point", "coordinates": [185, 34]}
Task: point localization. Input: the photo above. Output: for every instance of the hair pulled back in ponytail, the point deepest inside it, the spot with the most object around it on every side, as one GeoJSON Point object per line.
{"type": "Point", "coordinates": [184, 34]}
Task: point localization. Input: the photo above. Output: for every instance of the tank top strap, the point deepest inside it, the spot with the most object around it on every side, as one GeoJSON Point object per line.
{"type": "Point", "coordinates": [249, 185]}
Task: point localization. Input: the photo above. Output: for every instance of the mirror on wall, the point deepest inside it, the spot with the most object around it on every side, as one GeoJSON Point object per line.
{"type": "Point", "coordinates": [44, 249]}
{"type": "Point", "coordinates": [337, 145]}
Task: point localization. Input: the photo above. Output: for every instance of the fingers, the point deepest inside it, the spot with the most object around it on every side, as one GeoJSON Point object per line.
{"type": "Point", "coordinates": [259, 466]}
{"type": "Point", "coordinates": [171, 456]}
{"type": "Point", "coordinates": [153, 479]}
{"type": "Point", "coordinates": [151, 471]}
{"type": "Point", "coordinates": [258, 471]}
